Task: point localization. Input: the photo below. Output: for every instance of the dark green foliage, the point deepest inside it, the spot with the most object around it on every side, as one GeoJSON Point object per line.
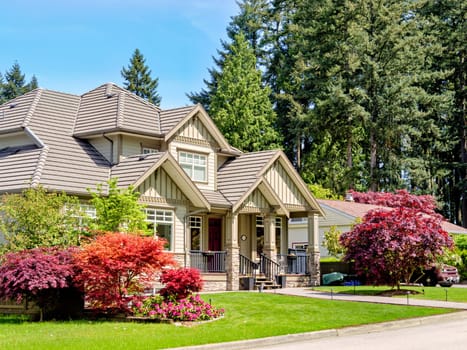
{"type": "Point", "coordinates": [13, 83]}
{"type": "Point", "coordinates": [138, 79]}
{"type": "Point", "coordinates": [240, 106]}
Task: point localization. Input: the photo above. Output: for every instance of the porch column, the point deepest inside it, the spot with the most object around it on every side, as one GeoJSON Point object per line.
{"type": "Point", "coordinates": [313, 249]}
{"type": "Point", "coordinates": [233, 252]}
{"type": "Point", "coordinates": [269, 248]}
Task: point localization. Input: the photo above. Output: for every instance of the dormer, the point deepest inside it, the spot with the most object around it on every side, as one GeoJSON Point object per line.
{"type": "Point", "coordinates": [196, 143]}
{"type": "Point", "coordinates": [118, 123]}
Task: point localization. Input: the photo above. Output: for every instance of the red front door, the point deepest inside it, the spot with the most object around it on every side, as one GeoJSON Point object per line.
{"type": "Point", "coordinates": [215, 234]}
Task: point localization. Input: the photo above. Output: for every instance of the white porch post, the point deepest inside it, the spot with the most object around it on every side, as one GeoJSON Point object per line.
{"type": "Point", "coordinates": [233, 252]}
{"type": "Point", "coordinates": [269, 248]}
{"type": "Point", "coordinates": [313, 249]}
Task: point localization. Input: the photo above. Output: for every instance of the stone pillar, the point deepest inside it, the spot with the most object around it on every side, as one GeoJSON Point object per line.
{"type": "Point", "coordinates": [233, 252]}
{"type": "Point", "coordinates": [269, 248]}
{"type": "Point", "coordinates": [313, 249]}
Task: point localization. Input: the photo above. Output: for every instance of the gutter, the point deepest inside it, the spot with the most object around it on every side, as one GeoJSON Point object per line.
{"type": "Point", "coordinates": [111, 147]}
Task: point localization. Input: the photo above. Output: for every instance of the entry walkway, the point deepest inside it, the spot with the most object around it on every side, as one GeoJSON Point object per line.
{"type": "Point", "coordinates": [309, 292]}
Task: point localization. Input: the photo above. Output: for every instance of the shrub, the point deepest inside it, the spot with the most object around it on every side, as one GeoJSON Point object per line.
{"type": "Point", "coordinates": [117, 265]}
{"type": "Point", "coordinates": [41, 275]}
{"type": "Point", "coordinates": [180, 283]}
{"type": "Point", "coordinates": [192, 308]}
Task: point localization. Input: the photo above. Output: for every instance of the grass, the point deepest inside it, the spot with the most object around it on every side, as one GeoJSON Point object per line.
{"type": "Point", "coordinates": [248, 315]}
{"type": "Point", "coordinates": [430, 293]}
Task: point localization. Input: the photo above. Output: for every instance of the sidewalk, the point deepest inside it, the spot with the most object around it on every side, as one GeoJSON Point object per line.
{"type": "Point", "coordinates": [308, 292]}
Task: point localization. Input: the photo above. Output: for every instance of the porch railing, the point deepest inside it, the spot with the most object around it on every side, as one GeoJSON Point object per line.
{"type": "Point", "coordinates": [208, 261]}
{"type": "Point", "coordinates": [268, 267]}
{"type": "Point", "coordinates": [293, 264]}
{"type": "Point", "coordinates": [248, 267]}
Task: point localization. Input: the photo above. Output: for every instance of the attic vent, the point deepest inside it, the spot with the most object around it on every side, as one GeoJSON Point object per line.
{"type": "Point", "coordinates": [12, 105]}
{"type": "Point", "coordinates": [108, 91]}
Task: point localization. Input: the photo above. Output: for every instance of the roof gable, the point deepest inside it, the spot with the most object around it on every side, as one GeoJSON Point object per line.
{"type": "Point", "coordinates": [273, 174]}
{"type": "Point", "coordinates": [135, 170]}
{"type": "Point", "coordinates": [179, 120]}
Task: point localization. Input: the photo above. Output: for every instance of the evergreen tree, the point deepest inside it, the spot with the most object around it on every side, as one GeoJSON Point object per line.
{"type": "Point", "coordinates": [240, 106]}
{"type": "Point", "coordinates": [138, 79]}
{"type": "Point", "coordinates": [250, 21]}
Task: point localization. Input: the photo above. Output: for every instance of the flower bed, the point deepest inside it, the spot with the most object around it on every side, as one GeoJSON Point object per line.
{"type": "Point", "coordinates": [192, 308]}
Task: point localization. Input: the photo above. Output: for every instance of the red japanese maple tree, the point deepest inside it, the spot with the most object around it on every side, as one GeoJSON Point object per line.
{"type": "Point", "coordinates": [390, 244]}
{"type": "Point", "coordinates": [117, 265]}
{"type": "Point", "coordinates": [180, 283]}
{"type": "Point", "coordinates": [37, 275]}
{"type": "Point", "coordinates": [401, 198]}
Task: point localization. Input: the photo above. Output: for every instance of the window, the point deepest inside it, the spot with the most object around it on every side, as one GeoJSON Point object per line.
{"type": "Point", "coordinates": [278, 234]}
{"type": "Point", "coordinates": [260, 234]}
{"type": "Point", "coordinates": [195, 165]}
{"type": "Point", "coordinates": [195, 232]}
{"type": "Point", "coordinates": [147, 150]}
{"type": "Point", "coordinates": [162, 223]}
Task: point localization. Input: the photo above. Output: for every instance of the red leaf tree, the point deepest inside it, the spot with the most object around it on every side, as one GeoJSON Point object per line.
{"type": "Point", "coordinates": [180, 283]}
{"type": "Point", "coordinates": [390, 244]}
{"type": "Point", "coordinates": [117, 265]}
{"type": "Point", "coordinates": [37, 275]}
{"type": "Point", "coordinates": [401, 198]}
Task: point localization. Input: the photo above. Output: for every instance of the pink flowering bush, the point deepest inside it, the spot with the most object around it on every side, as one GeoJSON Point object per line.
{"type": "Point", "coordinates": [192, 308]}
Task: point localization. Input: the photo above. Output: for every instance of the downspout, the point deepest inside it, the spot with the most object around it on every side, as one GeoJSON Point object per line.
{"type": "Point", "coordinates": [185, 245]}
{"type": "Point", "coordinates": [111, 148]}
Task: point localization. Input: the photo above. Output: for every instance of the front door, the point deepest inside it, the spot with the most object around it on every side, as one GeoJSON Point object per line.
{"type": "Point", "coordinates": [215, 234]}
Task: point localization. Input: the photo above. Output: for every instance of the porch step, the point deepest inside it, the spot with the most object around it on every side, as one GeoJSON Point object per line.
{"type": "Point", "coordinates": [264, 283]}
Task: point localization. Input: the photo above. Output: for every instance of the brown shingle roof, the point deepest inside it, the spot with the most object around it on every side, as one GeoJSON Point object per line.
{"type": "Point", "coordinates": [358, 210]}
{"type": "Point", "coordinates": [110, 108]}
{"type": "Point", "coordinates": [18, 167]}
{"type": "Point", "coordinates": [169, 118]}
{"type": "Point", "coordinates": [238, 175]}
{"type": "Point", "coordinates": [130, 169]}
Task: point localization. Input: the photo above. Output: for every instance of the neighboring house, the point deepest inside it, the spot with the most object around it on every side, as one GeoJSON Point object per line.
{"type": "Point", "coordinates": [221, 210]}
{"type": "Point", "coordinates": [342, 215]}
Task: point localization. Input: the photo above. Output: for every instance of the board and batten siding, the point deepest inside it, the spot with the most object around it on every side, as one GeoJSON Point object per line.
{"type": "Point", "coordinates": [256, 203]}
{"type": "Point", "coordinates": [284, 186]}
{"type": "Point", "coordinates": [158, 186]}
{"type": "Point", "coordinates": [159, 191]}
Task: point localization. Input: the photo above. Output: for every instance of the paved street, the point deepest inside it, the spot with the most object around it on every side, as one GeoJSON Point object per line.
{"type": "Point", "coordinates": [449, 335]}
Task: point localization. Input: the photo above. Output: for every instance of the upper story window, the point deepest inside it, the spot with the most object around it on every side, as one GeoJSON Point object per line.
{"type": "Point", "coordinates": [147, 150]}
{"type": "Point", "coordinates": [194, 164]}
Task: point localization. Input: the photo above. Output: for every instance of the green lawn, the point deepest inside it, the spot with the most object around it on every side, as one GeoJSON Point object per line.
{"type": "Point", "coordinates": [432, 293]}
{"type": "Point", "coordinates": [248, 315]}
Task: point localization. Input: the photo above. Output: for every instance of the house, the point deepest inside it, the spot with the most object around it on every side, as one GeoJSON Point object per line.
{"type": "Point", "coordinates": [342, 215]}
{"type": "Point", "coordinates": [221, 210]}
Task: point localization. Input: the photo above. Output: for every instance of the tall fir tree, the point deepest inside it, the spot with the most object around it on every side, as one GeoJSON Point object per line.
{"type": "Point", "coordinates": [138, 79]}
{"type": "Point", "coordinates": [13, 83]}
{"type": "Point", "coordinates": [250, 21]}
{"type": "Point", "coordinates": [240, 106]}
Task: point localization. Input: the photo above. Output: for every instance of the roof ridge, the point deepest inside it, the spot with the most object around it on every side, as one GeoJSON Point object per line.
{"type": "Point", "coordinates": [120, 109]}
{"type": "Point", "coordinates": [35, 179]}
{"type": "Point", "coordinates": [32, 108]}
{"type": "Point", "coordinates": [172, 109]}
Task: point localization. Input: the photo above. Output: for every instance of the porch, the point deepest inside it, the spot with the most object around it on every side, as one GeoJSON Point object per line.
{"type": "Point", "coordinates": [288, 270]}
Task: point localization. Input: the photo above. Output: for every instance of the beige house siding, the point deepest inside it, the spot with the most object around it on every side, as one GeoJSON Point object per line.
{"type": "Point", "coordinates": [176, 146]}
{"type": "Point", "coordinates": [160, 185]}
{"type": "Point", "coordinates": [15, 140]}
{"type": "Point", "coordinates": [283, 185]}
{"type": "Point", "coordinates": [256, 202]}
{"type": "Point", "coordinates": [104, 147]}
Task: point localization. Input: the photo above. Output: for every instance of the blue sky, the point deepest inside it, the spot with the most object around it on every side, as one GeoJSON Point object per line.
{"type": "Point", "coordinates": [76, 45]}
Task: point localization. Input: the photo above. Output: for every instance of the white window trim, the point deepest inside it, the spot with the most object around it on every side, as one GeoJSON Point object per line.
{"type": "Point", "coordinates": [193, 165]}
{"type": "Point", "coordinates": [165, 218]}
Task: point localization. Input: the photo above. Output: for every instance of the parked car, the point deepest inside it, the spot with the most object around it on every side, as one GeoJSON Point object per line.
{"type": "Point", "coordinates": [442, 274]}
